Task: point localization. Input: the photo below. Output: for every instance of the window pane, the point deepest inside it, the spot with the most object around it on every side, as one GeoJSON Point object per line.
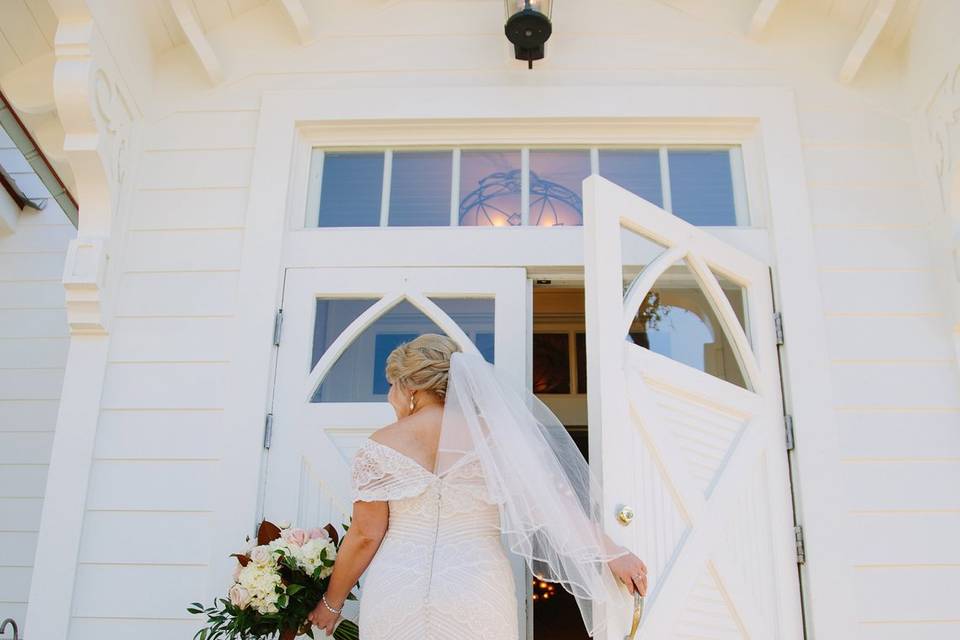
{"type": "Point", "coordinates": [556, 186]}
{"type": "Point", "coordinates": [490, 188]}
{"type": "Point", "coordinates": [420, 189]}
{"type": "Point", "coordinates": [636, 170]}
{"type": "Point", "coordinates": [581, 345]}
{"type": "Point", "coordinates": [551, 363]}
{"type": "Point", "coordinates": [358, 374]}
{"type": "Point", "coordinates": [350, 191]}
{"type": "Point", "coordinates": [701, 186]}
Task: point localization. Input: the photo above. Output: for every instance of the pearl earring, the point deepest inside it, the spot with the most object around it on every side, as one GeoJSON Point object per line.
{"type": "Point", "coordinates": [411, 403]}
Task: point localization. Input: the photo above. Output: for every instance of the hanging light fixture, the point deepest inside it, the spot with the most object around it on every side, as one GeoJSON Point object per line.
{"type": "Point", "coordinates": [528, 28]}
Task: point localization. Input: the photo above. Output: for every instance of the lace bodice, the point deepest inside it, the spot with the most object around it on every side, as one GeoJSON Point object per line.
{"type": "Point", "coordinates": [441, 571]}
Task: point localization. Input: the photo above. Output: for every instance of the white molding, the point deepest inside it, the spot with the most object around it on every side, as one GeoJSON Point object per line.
{"type": "Point", "coordinates": [192, 28]}
{"type": "Point", "coordinates": [452, 114]}
{"type": "Point", "coordinates": [9, 214]}
{"type": "Point", "coordinates": [761, 17]}
{"type": "Point", "coordinates": [866, 39]}
{"type": "Point", "coordinates": [297, 15]}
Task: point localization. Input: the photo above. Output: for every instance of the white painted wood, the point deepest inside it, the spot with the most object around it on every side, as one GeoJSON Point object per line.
{"type": "Point", "coordinates": [761, 16]}
{"type": "Point", "coordinates": [192, 27]}
{"type": "Point", "coordinates": [298, 17]}
{"type": "Point", "coordinates": [866, 39]}
{"type": "Point", "coordinates": [729, 450]}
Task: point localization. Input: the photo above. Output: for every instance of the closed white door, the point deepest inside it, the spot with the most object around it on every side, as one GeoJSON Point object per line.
{"type": "Point", "coordinates": [686, 422]}
{"type": "Point", "coordinates": [330, 393]}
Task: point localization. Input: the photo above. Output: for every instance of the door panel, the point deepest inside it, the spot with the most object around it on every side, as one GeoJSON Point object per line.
{"type": "Point", "coordinates": [699, 455]}
{"type": "Point", "coordinates": [354, 316]}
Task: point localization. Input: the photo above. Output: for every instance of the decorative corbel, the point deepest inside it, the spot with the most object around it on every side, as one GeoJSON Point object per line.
{"type": "Point", "coordinates": [96, 115]}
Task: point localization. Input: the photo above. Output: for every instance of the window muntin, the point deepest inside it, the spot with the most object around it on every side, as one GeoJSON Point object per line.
{"type": "Point", "coordinates": [704, 185]}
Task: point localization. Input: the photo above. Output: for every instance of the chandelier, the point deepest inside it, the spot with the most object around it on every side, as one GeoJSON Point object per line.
{"type": "Point", "coordinates": [496, 202]}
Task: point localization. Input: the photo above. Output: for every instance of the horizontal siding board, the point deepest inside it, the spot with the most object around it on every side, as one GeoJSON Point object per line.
{"type": "Point", "coordinates": [20, 514]}
{"type": "Point", "coordinates": [21, 415]}
{"type": "Point", "coordinates": [897, 385]}
{"type": "Point", "coordinates": [907, 593]}
{"type": "Point", "coordinates": [22, 480]}
{"type": "Point", "coordinates": [37, 266]}
{"type": "Point", "coordinates": [29, 447]}
{"type": "Point", "coordinates": [899, 434]}
{"type": "Point", "coordinates": [145, 538]}
{"type": "Point", "coordinates": [171, 339]}
{"type": "Point", "coordinates": [31, 295]}
{"type": "Point", "coordinates": [203, 130]}
{"type": "Point", "coordinates": [199, 169]}
{"type": "Point", "coordinates": [182, 435]}
{"type": "Point", "coordinates": [177, 294]}
{"type": "Point", "coordinates": [887, 338]}
{"type": "Point", "coordinates": [30, 353]}
{"type": "Point", "coordinates": [33, 323]}
{"type": "Point", "coordinates": [38, 238]}
{"type": "Point", "coordinates": [871, 205]}
{"type": "Point", "coordinates": [151, 485]}
{"type": "Point", "coordinates": [119, 591]}
{"type": "Point", "coordinates": [899, 629]}
{"type": "Point", "coordinates": [145, 629]}
{"type": "Point", "coordinates": [17, 548]}
{"type": "Point", "coordinates": [30, 384]}
{"type": "Point", "coordinates": [852, 126]}
{"type": "Point", "coordinates": [189, 209]}
{"type": "Point", "coordinates": [876, 486]}
{"type": "Point", "coordinates": [880, 292]}
{"type": "Point", "coordinates": [873, 248]}
{"type": "Point", "coordinates": [905, 538]}
{"type": "Point", "coordinates": [14, 584]}
{"type": "Point", "coordinates": [856, 164]}
{"type": "Point", "coordinates": [164, 386]}
{"type": "Point", "coordinates": [184, 250]}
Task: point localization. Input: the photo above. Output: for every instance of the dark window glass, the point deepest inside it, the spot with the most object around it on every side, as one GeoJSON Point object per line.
{"type": "Point", "coordinates": [350, 190]}
{"type": "Point", "coordinates": [551, 363]}
{"type": "Point", "coordinates": [581, 347]}
{"type": "Point", "coordinates": [636, 170]}
{"type": "Point", "coordinates": [420, 189]}
{"type": "Point", "coordinates": [701, 186]}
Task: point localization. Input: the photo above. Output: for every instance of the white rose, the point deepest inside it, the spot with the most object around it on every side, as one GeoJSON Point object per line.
{"type": "Point", "coordinates": [261, 555]}
{"type": "Point", "coordinates": [239, 596]}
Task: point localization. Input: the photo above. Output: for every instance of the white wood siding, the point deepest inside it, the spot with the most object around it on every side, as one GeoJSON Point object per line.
{"type": "Point", "coordinates": [161, 434]}
{"type": "Point", "coordinates": [33, 351]}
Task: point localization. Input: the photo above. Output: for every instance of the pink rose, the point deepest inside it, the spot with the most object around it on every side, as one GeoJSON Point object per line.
{"type": "Point", "coordinates": [239, 596]}
{"type": "Point", "coordinates": [316, 532]}
{"type": "Point", "coordinates": [236, 571]}
{"type": "Point", "coordinates": [261, 555]}
{"type": "Point", "coordinates": [297, 536]}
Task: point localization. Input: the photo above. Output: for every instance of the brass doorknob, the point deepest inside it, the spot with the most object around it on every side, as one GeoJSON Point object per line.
{"type": "Point", "coordinates": [625, 515]}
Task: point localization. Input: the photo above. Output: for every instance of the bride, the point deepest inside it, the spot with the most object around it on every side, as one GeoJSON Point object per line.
{"type": "Point", "coordinates": [471, 463]}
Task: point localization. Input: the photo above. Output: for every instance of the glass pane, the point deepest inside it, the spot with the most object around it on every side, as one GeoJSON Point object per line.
{"type": "Point", "coordinates": [701, 186]}
{"type": "Point", "coordinates": [636, 170]}
{"type": "Point", "coordinates": [581, 346]}
{"type": "Point", "coordinates": [556, 186]}
{"type": "Point", "coordinates": [677, 321]}
{"type": "Point", "coordinates": [551, 363]}
{"type": "Point", "coordinates": [358, 375]}
{"type": "Point", "coordinates": [420, 189]}
{"type": "Point", "coordinates": [350, 190]}
{"type": "Point", "coordinates": [490, 188]}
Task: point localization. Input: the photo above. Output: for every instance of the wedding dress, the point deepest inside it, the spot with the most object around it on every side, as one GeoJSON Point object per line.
{"type": "Point", "coordinates": [441, 571]}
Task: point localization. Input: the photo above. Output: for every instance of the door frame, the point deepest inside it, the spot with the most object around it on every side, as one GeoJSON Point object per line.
{"type": "Point", "coordinates": [762, 118]}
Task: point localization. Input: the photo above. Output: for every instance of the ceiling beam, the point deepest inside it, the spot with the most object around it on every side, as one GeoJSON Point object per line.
{"type": "Point", "coordinates": [197, 37]}
{"type": "Point", "coordinates": [298, 16]}
{"type": "Point", "coordinates": [866, 39]}
{"type": "Point", "coordinates": [761, 17]}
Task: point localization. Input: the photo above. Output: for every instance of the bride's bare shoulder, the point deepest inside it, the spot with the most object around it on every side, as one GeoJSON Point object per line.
{"type": "Point", "coordinates": [412, 435]}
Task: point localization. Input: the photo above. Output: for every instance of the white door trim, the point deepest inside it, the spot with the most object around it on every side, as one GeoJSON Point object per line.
{"type": "Point", "coordinates": [768, 112]}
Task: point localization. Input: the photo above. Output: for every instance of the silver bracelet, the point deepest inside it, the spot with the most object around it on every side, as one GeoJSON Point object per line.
{"type": "Point", "coordinates": [323, 598]}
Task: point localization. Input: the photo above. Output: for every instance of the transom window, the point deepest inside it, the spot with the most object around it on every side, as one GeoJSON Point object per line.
{"type": "Point", "coordinates": [506, 187]}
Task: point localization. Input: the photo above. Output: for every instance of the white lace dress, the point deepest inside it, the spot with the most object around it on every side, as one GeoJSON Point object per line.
{"type": "Point", "coordinates": [441, 572]}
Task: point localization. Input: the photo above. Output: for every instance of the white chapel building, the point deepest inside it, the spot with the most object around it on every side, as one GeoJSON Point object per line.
{"type": "Point", "coordinates": [737, 220]}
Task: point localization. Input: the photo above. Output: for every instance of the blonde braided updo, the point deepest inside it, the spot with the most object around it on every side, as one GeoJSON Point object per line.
{"type": "Point", "coordinates": [422, 364]}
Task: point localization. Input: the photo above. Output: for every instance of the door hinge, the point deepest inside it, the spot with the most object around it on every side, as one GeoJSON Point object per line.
{"type": "Point", "coordinates": [798, 536]}
{"type": "Point", "coordinates": [788, 427]}
{"type": "Point", "coordinates": [778, 326]}
{"type": "Point", "coordinates": [267, 431]}
{"type": "Point", "coordinates": [277, 326]}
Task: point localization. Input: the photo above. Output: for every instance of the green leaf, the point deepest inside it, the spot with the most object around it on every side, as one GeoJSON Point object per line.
{"type": "Point", "coordinates": [294, 588]}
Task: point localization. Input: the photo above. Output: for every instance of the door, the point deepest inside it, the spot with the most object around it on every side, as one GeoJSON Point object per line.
{"type": "Point", "coordinates": [338, 326]}
{"type": "Point", "coordinates": [686, 418]}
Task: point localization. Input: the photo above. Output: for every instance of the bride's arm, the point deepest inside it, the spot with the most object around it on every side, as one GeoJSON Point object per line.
{"type": "Point", "coordinates": [367, 528]}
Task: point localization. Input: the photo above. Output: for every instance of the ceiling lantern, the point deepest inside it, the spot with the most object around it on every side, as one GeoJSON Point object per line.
{"type": "Point", "coordinates": [528, 28]}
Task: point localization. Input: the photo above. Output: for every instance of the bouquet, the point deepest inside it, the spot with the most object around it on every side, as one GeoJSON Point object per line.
{"type": "Point", "coordinates": [276, 584]}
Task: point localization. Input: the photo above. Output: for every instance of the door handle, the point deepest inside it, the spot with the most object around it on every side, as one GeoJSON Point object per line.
{"type": "Point", "coordinates": [626, 515]}
{"type": "Point", "coordinates": [637, 614]}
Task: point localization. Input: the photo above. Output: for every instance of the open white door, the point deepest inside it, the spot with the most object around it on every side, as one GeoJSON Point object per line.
{"type": "Point", "coordinates": [690, 437]}
{"type": "Point", "coordinates": [338, 326]}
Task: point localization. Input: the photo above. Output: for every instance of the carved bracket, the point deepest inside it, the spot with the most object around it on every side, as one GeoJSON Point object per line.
{"type": "Point", "coordinates": [83, 276]}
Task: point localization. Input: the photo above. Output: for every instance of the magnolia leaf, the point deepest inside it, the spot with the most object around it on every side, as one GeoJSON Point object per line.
{"type": "Point", "coordinates": [333, 533]}
{"type": "Point", "coordinates": [267, 532]}
{"type": "Point", "coordinates": [242, 558]}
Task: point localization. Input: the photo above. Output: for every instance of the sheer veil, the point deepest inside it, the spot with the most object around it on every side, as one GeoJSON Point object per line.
{"type": "Point", "coordinates": [549, 500]}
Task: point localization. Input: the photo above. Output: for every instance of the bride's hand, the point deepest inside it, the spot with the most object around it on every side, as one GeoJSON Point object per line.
{"type": "Point", "coordinates": [324, 618]}
{"type": "Point", "coordinates": [631, 571]}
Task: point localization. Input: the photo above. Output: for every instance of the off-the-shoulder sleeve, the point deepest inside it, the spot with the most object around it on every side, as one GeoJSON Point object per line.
{"type": "Point", "coordinates": [379, 473]}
